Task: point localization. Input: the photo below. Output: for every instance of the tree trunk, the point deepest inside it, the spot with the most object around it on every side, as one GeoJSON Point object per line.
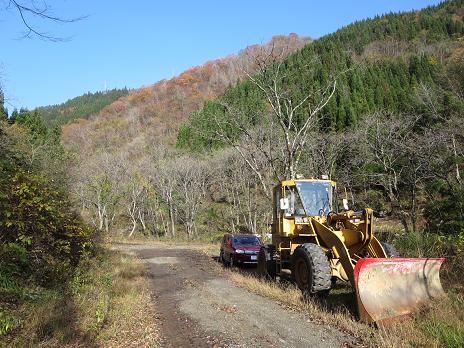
{"type": "Point", "coordinates": [173, 223]}
{"type": "Point", "coordinates": [134, 225]}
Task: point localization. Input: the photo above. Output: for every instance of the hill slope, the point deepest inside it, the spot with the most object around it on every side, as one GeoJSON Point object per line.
{"type": "Point", "coordinates": [378, 63]}
{"type": "Point", "coordinates": [79, 107]}
{"type": "Point", "coordinates": [159, 109]}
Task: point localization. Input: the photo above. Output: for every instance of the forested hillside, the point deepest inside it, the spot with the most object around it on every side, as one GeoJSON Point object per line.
{"type": "Point", "coordinates": [367, 95]}
{"type": "Point", "coordinates": [80, 107]}
{"type": "Point", "coordinates": [119, 150]}
{"type": "Point", "coordinates": [379, 64]}
{"type": "Point", "coordinates": [159, 109]}
{"type": "Point", "coordinates": [377, 105]}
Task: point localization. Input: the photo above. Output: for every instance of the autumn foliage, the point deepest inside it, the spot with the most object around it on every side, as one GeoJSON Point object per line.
{"type": "Point", "coordinates": [159, 109]}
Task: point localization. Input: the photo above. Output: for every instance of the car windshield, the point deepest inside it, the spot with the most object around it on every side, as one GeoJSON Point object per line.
{"type": "Point", "coordinates": [316, 197]}
{"type": "Point", "coordinates": [246, 240]}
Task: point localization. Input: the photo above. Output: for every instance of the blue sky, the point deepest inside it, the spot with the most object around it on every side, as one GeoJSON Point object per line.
{"type": "Point", "coordinates": [138, 42]}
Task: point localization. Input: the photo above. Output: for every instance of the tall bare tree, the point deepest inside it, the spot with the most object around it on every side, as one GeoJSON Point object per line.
{"type": "Point", "coordinates": [276, 141]}
{"type": "Point", "coordinates": [98, 183]}
{"type": "Point", "coordinates": [294, 111]}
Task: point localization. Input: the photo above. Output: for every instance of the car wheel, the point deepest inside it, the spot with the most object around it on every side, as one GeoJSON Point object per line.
{"type": "Point", "coordinates": [221, 256]}
{"type": "Point", "coordinates": [224, 261]}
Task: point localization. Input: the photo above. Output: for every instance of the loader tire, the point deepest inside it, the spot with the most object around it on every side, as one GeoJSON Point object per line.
{"type": "Point", "coordinates": [390, 250]}
{"type": "Point", "coordinates": [266, 268]}
{"type": "Point", "coordinates": [311, 270]}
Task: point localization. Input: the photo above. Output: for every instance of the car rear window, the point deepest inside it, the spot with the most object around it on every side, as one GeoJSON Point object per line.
{"type": "Point", "coordinates": [247, 240]}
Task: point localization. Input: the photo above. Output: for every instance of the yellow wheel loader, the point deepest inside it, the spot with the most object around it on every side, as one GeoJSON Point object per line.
{"type": "Point", "coordinates": [317, 245]}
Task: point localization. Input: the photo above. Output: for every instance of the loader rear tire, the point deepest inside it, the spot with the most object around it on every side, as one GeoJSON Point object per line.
{"type": "Point", "coordinates": [266, 268]}
{"type": "Point", "coordinates": [390, 250]}
{"type": "Point", "coordinates": [311, 270]}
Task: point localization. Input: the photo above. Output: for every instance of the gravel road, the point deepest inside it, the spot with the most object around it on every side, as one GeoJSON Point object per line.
{"type": "Point", "coordinates": [197, 306]}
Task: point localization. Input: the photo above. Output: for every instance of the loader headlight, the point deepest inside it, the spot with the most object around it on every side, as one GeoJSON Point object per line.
{"type": "Point", "coordinates": [239, 251]}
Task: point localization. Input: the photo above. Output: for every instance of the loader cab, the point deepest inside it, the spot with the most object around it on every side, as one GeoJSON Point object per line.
{"type": "Point", "coordinates": [297, 200]}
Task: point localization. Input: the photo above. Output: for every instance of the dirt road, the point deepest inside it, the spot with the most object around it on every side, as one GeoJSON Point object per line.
{"type": "Point", "coordinates": [199, 307]}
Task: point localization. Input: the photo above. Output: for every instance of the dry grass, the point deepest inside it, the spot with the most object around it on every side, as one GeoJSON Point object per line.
{"type": "Point", "coordinates": [438, 325]}
{"type": "Point", "coordinates": [402, 334]}
{"type": "Point", "coordinates": [107, 304]}
{"type": "Point", "coordinates": [128, 311]}
{"type": "Point", "coordinates": [383, 225]}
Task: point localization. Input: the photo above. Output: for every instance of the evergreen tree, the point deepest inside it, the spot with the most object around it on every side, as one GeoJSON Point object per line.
{"type": "Point", "coordinates": [3, 110]}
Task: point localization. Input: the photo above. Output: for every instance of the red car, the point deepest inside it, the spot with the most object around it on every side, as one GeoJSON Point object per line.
{"type": "Point", "coordinates": [239, 249]}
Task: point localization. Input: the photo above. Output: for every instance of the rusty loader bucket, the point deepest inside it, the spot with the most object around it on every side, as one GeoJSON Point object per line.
{"type": "Point", "coordinates": [389, 288]}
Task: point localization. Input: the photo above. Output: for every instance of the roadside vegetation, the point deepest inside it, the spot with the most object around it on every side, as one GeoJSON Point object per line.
{"type": "Point", "coordinates": [106, 302]}
{"type": "Point", "coordinates": [59, 286]}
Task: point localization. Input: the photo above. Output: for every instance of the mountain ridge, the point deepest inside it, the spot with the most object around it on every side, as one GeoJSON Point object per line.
{"type": "Point", "coordinates": [161, 107]}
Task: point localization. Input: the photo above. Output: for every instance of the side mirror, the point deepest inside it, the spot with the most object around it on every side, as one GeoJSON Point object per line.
{"type": "Point", "coordinates": [284, 204]}
{"type": "Point", "coordinates": [345, 204]}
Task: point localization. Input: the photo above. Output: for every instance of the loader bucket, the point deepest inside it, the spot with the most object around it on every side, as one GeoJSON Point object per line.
{"type": "Point", "coordinates": [389, 288]}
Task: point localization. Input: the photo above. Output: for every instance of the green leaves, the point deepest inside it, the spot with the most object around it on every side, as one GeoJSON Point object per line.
{"type": "Point", "coordinates": [40, 237]}
{"type": "Point", "coordinates": [7, 322]}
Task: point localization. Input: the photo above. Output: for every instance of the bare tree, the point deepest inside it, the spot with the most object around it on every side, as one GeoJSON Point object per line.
{"type": "Point", "coordinates": [383, 140]}
{"type": "Point", "coordinates": [238, 188]}
{"type": "Point", "coordinates": [428, 97]}
{"type": "Point", "coordinates": [98, 185]}
{"type": "Point", "coordinates": [136, 193]}
{"type": "Point", "coordinates": [191, 177]}
{"type": "Point", "coordinates": [322, 153]}
{"type": "Point", "coordinates": [285, 103]}
{"type": "Point", "coordinates": [290, 114]}
{"type": "Point", "coordinates": [31, 10]}
{"type": "Point", "coordinates": [164, 181]}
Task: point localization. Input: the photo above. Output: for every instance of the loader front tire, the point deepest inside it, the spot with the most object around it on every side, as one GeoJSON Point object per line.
{"type": "Point", "coordinates": [266, 268]}
{"type": "Point", "coordinates": [311, 270]}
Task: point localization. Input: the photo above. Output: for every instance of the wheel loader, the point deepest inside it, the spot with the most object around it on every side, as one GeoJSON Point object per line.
{"type": "Point", "coordinates": [317, 245]}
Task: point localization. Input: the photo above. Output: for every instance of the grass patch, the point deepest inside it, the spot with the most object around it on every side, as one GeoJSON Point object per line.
{"type": "Point", "coordinates": [106, 303]}
{"type": "Point", "coordinates": [337, 311]}
{"type": "Point", "coordinates": [7, 322]}
{"type": "Point", "coordinates": [449, 335]}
